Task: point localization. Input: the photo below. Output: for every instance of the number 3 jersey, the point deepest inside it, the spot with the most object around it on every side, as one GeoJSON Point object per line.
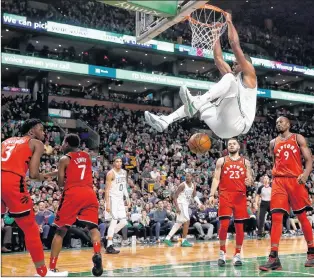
{"type": "Point", "coordinates": [118, 185]}
{"type": "Point", "coordinates": [15, 155]}
{"type": "Point", "coordinates": [288, 160]}
{"type": "Point", "coordinates": [79, 171]}
{"type": "Point", "coordinates": [233, 174]}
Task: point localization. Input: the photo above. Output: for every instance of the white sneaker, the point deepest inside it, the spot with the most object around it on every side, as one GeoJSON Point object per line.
{"type": "Point", "coordinates": [188, 101]}
{"type": "Point", "coordinates": [157, 122]}
{"type": "Point", "coordinates": [51, 273]}
{"type": "Point", "coordinates": [237, 261]}
{"type": "Point", "coordinates": [222, 258]}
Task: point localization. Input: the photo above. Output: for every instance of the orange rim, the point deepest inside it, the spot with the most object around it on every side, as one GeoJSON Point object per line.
{"type": "Point", "coordinates": [207, 7]}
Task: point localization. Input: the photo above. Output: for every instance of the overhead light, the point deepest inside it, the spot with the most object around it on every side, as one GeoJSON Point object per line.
{"type": "Point", "coordinates": [79, 84]}
{"type": "Point", "coordinates": [311, 88]}
{"type": "Point", "coordinates": [119, 85]}
{"type": "Point", "coordinates": [181, 64]}
{"type": "Point", "coordinates": [302, 109]}
{"type": "Point", "coordinates": [145, 88]}
{"type": "Point", "coordinates": [275, 101]}
{"type": "Point", "coordinates": [134, 90]}
{"type": "Point", "coordinates": [126, 51]}
{"type": "Point", "coordinates": [247, 1]}
{"type": "Point", "coordinates": [266, 77]}
{"type": "Point", "coordinates": [56, 49]}
{"type": "Point", "coordinates": [278, 73]}
{"type": "Point", "coordinates": [60, 45]}
{"type": "Point", "coordinates": [37, 41]}
{"type": "Point", "coordinates": [88, 81]}
{"type": "Point", "coordinates": [145, 54]}
{"type": "Point", "coordinates": [7, 68]}
{"type": "Point", "coordinates": [109, 88]}
{"type": "Point", "coordinates": [193, 61]}
{"type": "Point", "coordinates": [7, 30]}
{"type": "Point", "coordinates": [290, 103]}
{"type": "Point", "coordinates": [203, 67]}
{"type": "Point", "coordinates": [276, 82]}
{"type": "Point", "coordinates": [297, 77]}
{"type": "Point", "coordinates": [165, 57]}
{"type": "Point", "coordinates": [283, 80]}
{"type": "Point", "coordinates": [58, 77]}
{"type": "Point", "coordinates": [295, 13]}
{"type": "Point", "coordinates": [273, 106]}
{"type": "Point", "coordinates": [272, 7]}
{"type": "Point", "coordinates": [50, 80]}
{"type": "Point", "coordinates": [196, 70]}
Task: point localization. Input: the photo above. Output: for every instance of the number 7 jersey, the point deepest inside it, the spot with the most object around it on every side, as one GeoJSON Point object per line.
{"type": "Point", "coordinates": [288, 160]}
{"type": "Point", "coordinates": [79, 171]}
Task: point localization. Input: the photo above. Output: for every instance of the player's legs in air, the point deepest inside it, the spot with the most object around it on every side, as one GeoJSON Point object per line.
{"type": "Point", "coordinates": [223, 89]}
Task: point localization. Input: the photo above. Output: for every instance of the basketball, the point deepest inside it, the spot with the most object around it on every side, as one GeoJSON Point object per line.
{"type": "Point", "coordinates": [199, 143]}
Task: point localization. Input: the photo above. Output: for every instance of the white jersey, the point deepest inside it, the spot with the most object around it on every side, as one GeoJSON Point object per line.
{"type": "Point", "coordinates": [185, 196]}
{"type": "Point", "coordinates": [247, 101]}
{"type": "Point", "coordinates": [118, 185]}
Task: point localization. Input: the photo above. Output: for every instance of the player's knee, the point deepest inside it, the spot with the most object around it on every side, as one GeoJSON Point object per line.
{"type": "Point", "coordinates": [123, 222]}
{"type": "Point", "coordinates": [224, 224]}
{"type": "Point", "coordinates": [62, 231]}
{"type": "Point", "coordinates": [277, 218]}
{"type": "Point", "coordinates": [302, 217]}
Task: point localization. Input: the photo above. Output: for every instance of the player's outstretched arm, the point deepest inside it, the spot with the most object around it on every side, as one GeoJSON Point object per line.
{"type": "Point", "coordinates": [249, 173]}
{"type": "Point", "coordinates": [63, 164]}
{"type": "Point", "coordinates": [38, 150]}
{"type": "Point", "coordinates": [222, 66]}
{"type": "Point", "coordinates": [234, 41]}
{"type": "Point", "coordinates": [306, 152]}
{"type": "Point", "coordinates": [216, 179]}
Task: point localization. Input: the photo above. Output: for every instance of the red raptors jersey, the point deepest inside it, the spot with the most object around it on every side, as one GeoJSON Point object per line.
{"type": "Point", "coordinates": [288, 160]}
{"type": "Point", "coordinates": [79, 171]}
{"type": "Point", "coordinates": [15, 155]}
{"type": "Point", "coordinates": [233, 175]}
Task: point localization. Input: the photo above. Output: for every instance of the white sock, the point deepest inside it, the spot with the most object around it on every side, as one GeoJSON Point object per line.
{"type": "Point", "coordinates": [109, 242]}
{"type": "Point", "coordinates": [217, 91]}
{"type": "Point", "coordinates": [176, 115]}
{"type": "Point", "coordinates": [174, 229]}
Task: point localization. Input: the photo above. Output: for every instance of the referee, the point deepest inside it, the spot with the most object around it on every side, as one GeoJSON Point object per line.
{"type": "Point", "coordinates": [262, 200]}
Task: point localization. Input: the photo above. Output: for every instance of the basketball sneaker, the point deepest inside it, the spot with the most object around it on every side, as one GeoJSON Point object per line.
{"type": "Point", "coordinates": [168, 242]}
{"type": "Point", "coordinates": [97, 269]}
{"type": "Point", "coordinates": [309, 260]}
{"type": "Point", "coordinates": [55, 273]}
{"type": "Point", "coordinates": [188, 101]}
{"type": "Point", "coordinates": [185, 243]}
{"type": "Point", "coordinates": [237, 261]}
{"type": "Point", "coordinates": [111, 250]}
{"type": "Point", "coordinates": [222, 258]}
{"type": "Point", "coordinates": [157, 122]}
{"type": "Point", "coordinates": [272, 264]}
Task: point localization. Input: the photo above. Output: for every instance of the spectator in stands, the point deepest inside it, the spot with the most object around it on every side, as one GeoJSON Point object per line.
{"type": "Point", "coordinates": [199, 222]}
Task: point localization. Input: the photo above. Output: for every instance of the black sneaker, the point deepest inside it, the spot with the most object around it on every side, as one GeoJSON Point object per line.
{"type": "Point", "coordinates": [111, 250]}
{"type": "Point", "coordinates": [259, 237]}
{"type": "Point", "coordinates": [309, 260]}
{"type": "Point", "coordinates": [272, 264]}
{"type": "Point", "coordinates": [97, 270]}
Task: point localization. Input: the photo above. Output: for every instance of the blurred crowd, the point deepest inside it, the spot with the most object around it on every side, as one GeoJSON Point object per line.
{"type": "Point", "coordinates": [272, 43]}
{"type": "Point", "coordinates": [156, 162]}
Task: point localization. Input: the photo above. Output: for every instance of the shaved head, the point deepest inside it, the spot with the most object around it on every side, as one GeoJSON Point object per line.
{"type": "Point", "coordinates": [283, 124]}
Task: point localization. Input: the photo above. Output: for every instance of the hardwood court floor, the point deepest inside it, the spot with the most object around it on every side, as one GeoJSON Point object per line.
{"type": "Point", "coordinates": [160, 260]}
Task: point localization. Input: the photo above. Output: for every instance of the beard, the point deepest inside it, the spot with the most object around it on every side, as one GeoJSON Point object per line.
{"type": "Point", "coordinates": [233, 152]}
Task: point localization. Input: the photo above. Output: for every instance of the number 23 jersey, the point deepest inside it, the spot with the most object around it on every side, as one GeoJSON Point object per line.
{"type": "Point", "coordinates": [287, 154]}
{"type": "Point", "coordinates": [233, 174]}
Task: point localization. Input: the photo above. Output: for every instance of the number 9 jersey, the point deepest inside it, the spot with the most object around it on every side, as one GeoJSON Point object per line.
{"type": "Point", "coordinates": [288, 162]}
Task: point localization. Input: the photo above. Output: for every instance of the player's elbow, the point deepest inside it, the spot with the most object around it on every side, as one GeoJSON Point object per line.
{"type": "Point", "coordinates": [33, 174]}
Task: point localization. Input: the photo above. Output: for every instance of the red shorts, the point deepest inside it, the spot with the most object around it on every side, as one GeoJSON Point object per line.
{"type": "Point", "coordinates": [77, 203]}
{"type": "Point", "coordinates": [233, 203]}
{"type": "Point", "coordinates": [14, 195]}
{"type": "Point", "coordinates": [286, 193]}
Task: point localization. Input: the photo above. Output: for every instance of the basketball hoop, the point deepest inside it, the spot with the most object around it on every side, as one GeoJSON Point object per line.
{"type": "Point", "coordinates": [207, 23]}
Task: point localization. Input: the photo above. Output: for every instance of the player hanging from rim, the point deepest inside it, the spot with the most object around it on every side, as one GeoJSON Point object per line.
{"type": "Point", "coordinates": [229, 107]}
{"type": "Point", "coordinates": [288, 189]}
{"type": "Point", "coordinates": [232, 174]}
{"type": "Point", "coordinates": [79, 202]}
{"type": "Point", "coordinates": [182, 199]}
{"type": "Point", "coordinates": [116, 189]}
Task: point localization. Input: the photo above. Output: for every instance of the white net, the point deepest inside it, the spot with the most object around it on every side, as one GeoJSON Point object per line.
{"type": "Point", "coordinates": [207, 24]}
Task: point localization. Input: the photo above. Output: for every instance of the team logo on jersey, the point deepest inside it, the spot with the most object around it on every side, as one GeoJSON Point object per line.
{"type": "Point", "coordinates": [24, 199]}
{"type": "Point", "coordinates": [285, 147]}
{"type": "Point", "coordinates": [233, 168]}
